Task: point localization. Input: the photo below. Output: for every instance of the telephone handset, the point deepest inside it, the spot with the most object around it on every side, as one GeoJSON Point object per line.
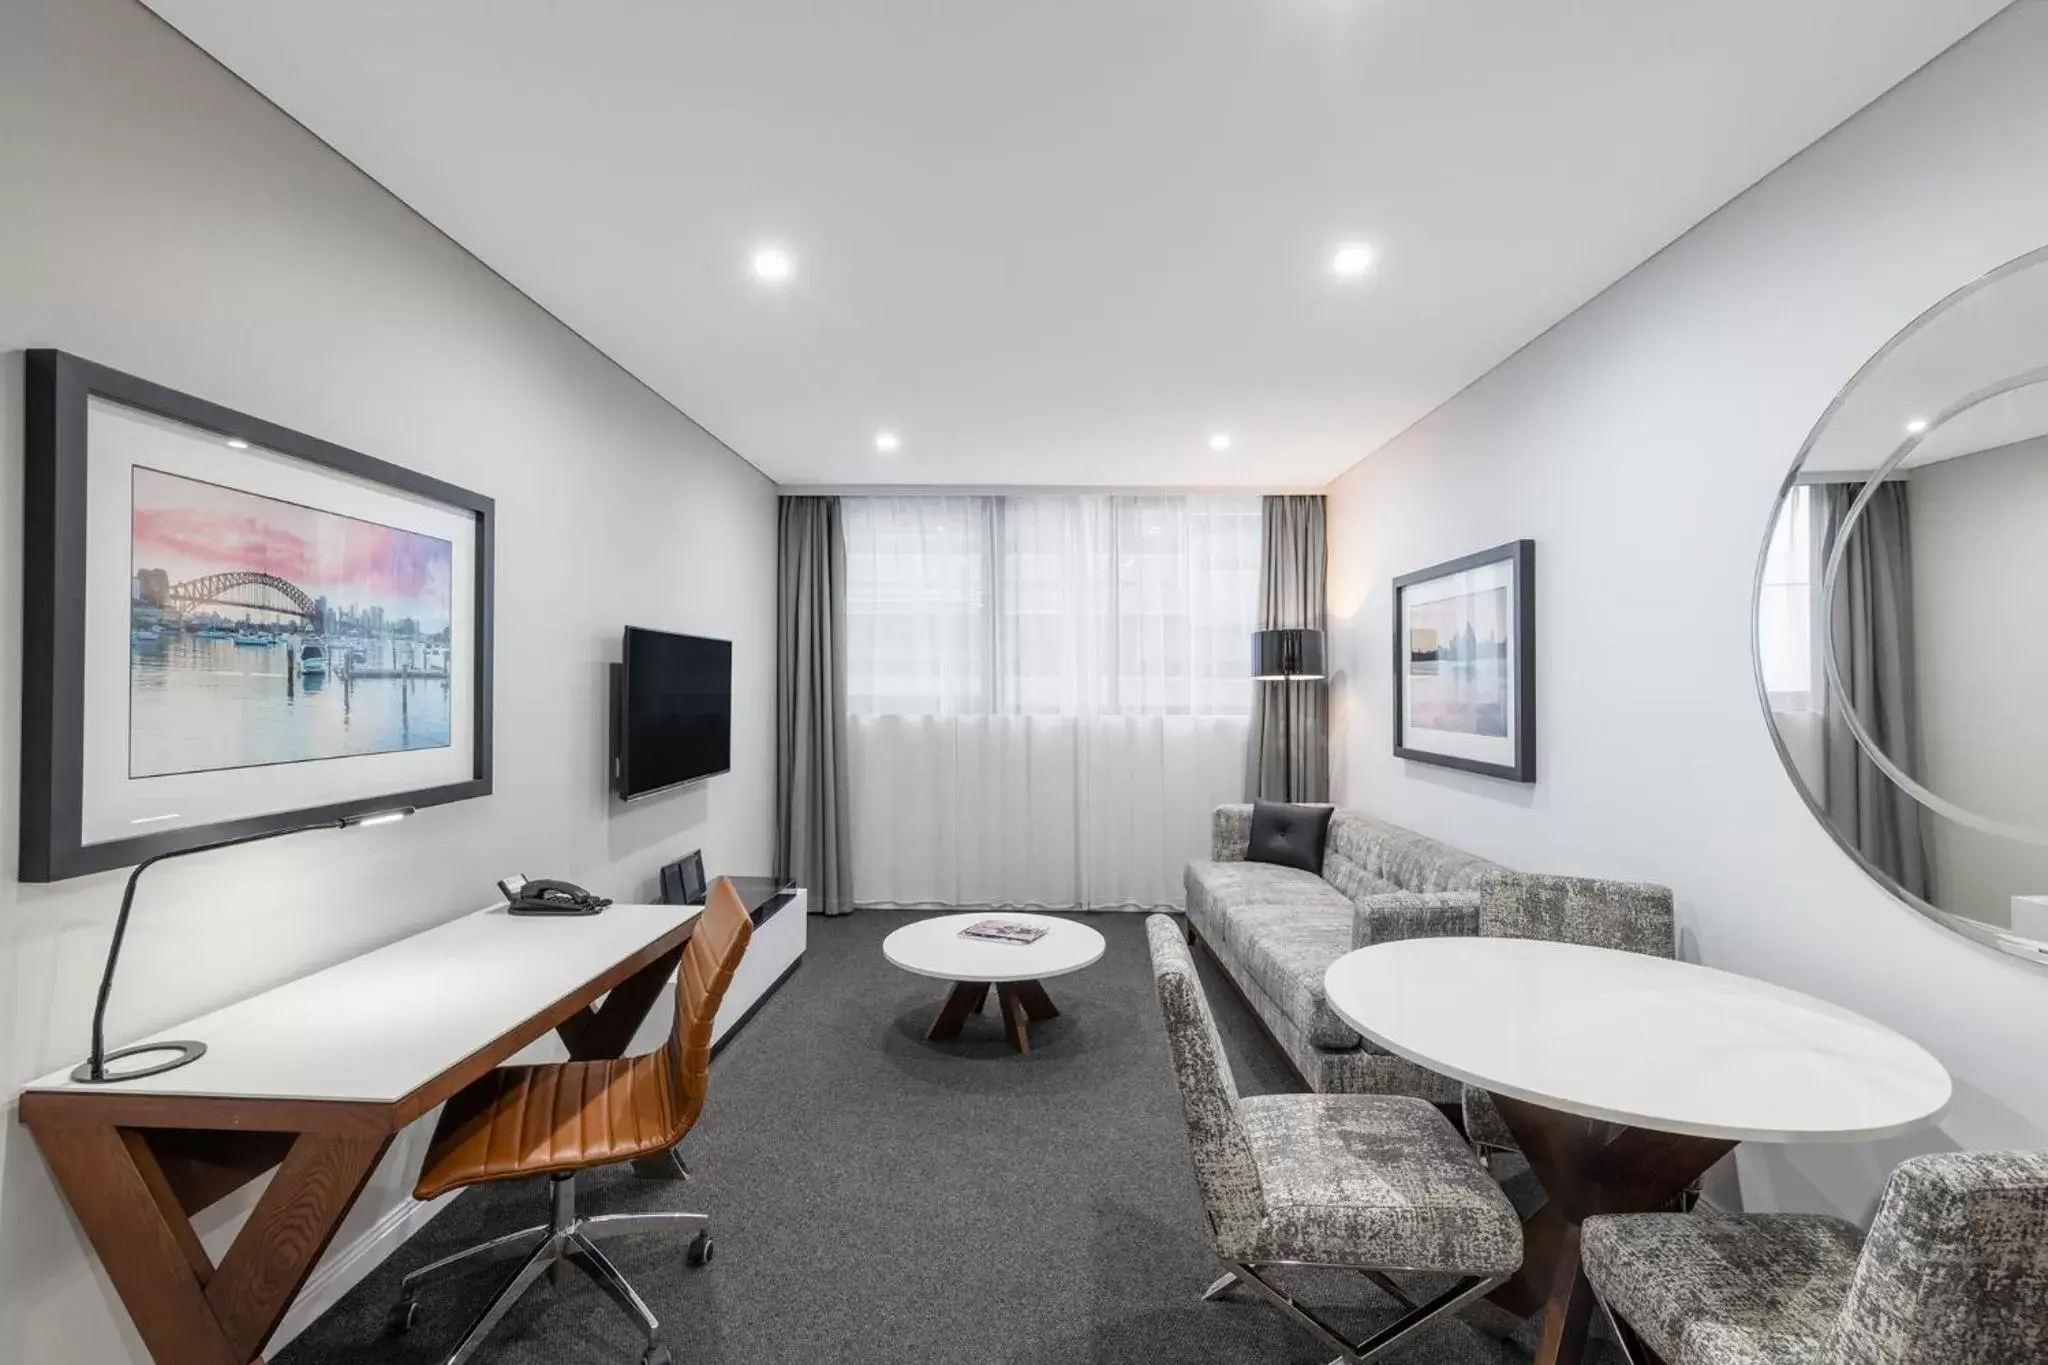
{"type": "Point", "coordinates": [544, 897]}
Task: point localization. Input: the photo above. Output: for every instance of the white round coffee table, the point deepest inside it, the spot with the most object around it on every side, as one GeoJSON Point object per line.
{"type": "Point", "coordinates": [935, 948]}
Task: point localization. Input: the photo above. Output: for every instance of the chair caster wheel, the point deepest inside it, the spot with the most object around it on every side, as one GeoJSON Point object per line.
{"type": "Point", "coordinates": [656, 1355]}
{"type": "Point", "coordinates": [701, 1248]}
{"type": "Point", "coordinates": [404, 1315]}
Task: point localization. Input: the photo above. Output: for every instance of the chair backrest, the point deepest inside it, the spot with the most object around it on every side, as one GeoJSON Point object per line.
{"type": "Point", "coordinates": [1633, 917]}
{"type": "Point", "coordinates": [1955, 1269]}
{"type": "Point", "coordinates": [1225, 1171]}
{"type": "Point", "coordinates": [709, 960]}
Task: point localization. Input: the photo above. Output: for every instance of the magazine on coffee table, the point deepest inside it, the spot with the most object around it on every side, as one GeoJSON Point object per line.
{"type": "Point", "coordinates": [1004, 931]}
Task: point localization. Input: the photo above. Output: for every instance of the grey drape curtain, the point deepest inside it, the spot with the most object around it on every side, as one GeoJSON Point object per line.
{"type": "Point", "coordinates": [1289, 758]}
{"type": "Point", "coordinates": [1872, 627]}
{"type": "Point", "coordinates": [812, 841]}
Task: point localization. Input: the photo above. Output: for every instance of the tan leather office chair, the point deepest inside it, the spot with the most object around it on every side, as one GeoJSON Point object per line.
{"type": "Point", "coordinates": [563, 1117]}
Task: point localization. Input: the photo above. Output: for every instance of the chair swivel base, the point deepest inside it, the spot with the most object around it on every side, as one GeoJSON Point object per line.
{"type": "Point", "coordinates": [564, 1241]}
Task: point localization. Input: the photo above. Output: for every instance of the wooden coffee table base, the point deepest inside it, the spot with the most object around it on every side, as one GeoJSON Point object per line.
{"type": "Point", "coordinates": [1586, 1167]}
{"type": "Point", "coordinates": [1018, 1003]}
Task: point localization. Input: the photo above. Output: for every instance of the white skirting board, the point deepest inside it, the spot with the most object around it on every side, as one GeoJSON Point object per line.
{"type": "Point", "coordinates": [777, 945]}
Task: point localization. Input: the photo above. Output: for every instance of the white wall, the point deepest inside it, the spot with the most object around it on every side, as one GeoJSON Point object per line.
{"type": "Point", "coordinates": [162, 218]}
{"type": "Point", "coordinates": [1641, 443]}
{"type": "Point", "coordinates": [1980, 562]}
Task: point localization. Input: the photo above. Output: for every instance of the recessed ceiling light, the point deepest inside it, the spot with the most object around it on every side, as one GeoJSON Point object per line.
{"type": "Point", "coordinates": [1220, 441]}
{"type": "Point", "coordinates": [237, 443]}
{"type": "Point", "coordinates": [1352, 260]}
{"type": "Point", "coordinates": [773, 264]}
{"type": "Point", "coordinates": [1917, 425]}
{"type": "Point", "coordinates": [887, 442]}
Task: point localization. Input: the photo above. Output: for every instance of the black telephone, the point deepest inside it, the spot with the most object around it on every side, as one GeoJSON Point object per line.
{"type": "Point", "coordinates": [544, 897]}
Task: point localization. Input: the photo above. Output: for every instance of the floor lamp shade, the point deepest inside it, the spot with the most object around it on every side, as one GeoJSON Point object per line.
{"type": "Point", "coordinates": [1280, 655]}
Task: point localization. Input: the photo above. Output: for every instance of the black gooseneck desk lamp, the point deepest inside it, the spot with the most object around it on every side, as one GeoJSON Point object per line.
{"type": "Point", "coordinates": [93, 1071]}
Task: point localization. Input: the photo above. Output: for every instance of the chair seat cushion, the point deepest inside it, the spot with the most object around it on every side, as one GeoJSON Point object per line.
{"type": "Point", "coordinates": [1378, 1181]}
{"type": "Point", "coordinates": [519, 1121]}
{"type": "Point", "coordinates": [1705, 1289]}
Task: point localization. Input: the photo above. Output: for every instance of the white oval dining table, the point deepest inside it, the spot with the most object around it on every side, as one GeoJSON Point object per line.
{"type": "Point", "coordinates": [1624, 1077]}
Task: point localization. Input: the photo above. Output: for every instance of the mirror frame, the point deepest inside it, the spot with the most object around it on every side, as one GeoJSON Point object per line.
{"type": "Point", "coordinates": [2005, 942]}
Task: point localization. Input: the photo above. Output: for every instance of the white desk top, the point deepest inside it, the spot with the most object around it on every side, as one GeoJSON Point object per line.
{"type": "Point", "coordinates": [377, 1027]}
{"type": "Point", "coordinates": [1638, 1040]}
{"type": "Point", "coordinates": [933, 947]}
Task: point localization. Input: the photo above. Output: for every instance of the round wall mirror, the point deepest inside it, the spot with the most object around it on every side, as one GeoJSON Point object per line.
{"type": "Point", "coordinates": [1901, 616]}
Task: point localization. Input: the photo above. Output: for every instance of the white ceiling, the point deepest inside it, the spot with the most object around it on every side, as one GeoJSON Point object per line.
{"type": "Point", "coordinates": [1065, 241]}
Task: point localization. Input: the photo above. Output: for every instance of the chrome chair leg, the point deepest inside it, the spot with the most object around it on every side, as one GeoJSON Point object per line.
{"type": "Point", "coordinates": [584, 1255]}
{"type": "Point", "coordinates": [1623, 1336]}
{"type": "Point", "coordinates": [1380, 1342]}
{"type": "Point", "coordinates": [1220, 1288]}
{"type": "Point", "coordinates": [522, 1280]}
{"type": "Point", "coordinates": [606, 1225]}
{"type": "Point", "coordinates": [434, 1270]}
{"type": "Point", "coordinates": [1385, 1283]}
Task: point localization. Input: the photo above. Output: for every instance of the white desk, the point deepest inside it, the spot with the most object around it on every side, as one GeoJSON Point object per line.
{"type": "Point", "coordinates": [1624, 1077]}
{"type": "Point", "coordinates": [314, 1078]}
{"type": "Point", "coordinates": [376, 1027]}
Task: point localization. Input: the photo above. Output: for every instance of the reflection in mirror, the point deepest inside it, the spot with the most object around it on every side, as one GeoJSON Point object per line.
{"type": "Point", "coordinates": [1898, 604]}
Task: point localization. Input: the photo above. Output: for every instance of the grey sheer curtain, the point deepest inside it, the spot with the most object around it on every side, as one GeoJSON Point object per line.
{"type": "Point", "coordinates": [1872, 628]}
{"type": "Point", "coordinates": [812, 840]}
{"type": "Point", "coordinates": [1289, 758]}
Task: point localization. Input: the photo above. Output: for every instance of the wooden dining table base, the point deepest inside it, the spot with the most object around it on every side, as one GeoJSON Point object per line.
{"type": "Point", "coordinates": [1018, 1005]}
{"type": "Point", "coordinates": [1587, 1167]}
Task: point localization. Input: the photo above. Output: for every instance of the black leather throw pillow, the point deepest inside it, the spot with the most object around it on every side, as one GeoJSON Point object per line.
{"type": "Point", "coordinates": [1291, 836]}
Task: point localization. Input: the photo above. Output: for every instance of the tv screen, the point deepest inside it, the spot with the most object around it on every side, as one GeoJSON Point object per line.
{"type": "Point", "coordinates": [675, 710]}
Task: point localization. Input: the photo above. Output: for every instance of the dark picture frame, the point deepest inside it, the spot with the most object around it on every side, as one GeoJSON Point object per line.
{"type": "Point", "coordinates": [1520, 557]}
{"type": "Point", "coordinates": [59, 390]}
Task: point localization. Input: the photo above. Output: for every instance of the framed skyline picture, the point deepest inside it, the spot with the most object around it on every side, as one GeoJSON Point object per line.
{"type": "Point", "coordinates": [234, 628]}
{"type": "Point", "coordinates": [1465, 663]}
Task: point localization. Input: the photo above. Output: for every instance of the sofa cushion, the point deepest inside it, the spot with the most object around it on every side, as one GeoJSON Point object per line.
{"type": "Point", "coordinates": [1288, 835]}
{"type": "Point", "coordinates": [1285, 951]}
{"type": "Point", "coordinates": [1218, 893]}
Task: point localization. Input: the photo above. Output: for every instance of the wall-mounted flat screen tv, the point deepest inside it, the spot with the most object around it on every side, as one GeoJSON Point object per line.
{"type": "Point", "coordinates": [675, 710]}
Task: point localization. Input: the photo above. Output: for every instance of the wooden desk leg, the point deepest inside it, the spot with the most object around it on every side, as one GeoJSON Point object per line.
{"type": "Point", "coordinates": [605, 1032]}
{"type": "Point", "coordinates": [187, 1310]}
{"type": "Point", "coordinates": [1586, 1167]}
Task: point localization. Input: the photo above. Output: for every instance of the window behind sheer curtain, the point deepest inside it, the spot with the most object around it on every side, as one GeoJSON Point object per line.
{"type": "Point", "coordinates": [1048, 695]}
{"type": "Point", "coordinates": [1056, 605]}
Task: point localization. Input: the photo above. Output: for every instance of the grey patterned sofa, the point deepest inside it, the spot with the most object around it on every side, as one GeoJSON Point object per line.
{"type": "Point", "coordinates": [1276, 930]}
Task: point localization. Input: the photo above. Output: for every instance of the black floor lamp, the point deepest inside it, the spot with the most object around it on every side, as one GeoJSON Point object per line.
{"type": "Point", "coordinates": [93, 1071]}
{"type": "Point", "coordinates": [1290, 656]}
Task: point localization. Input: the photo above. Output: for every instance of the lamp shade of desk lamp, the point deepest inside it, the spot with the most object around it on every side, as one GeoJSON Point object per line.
{"type": "Point", "coordinates": [93, 1071]}
{"type": "Point", "coordinates": [1287, 655]}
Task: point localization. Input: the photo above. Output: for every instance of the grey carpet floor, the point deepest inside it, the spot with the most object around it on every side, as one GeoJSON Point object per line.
{"type": "Point", "coordinates": [880, 1198]}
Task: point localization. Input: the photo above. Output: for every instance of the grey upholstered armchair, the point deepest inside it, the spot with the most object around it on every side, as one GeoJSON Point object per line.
{"type": "Point", "coordinates": [1954, 1272]}
{"type": "Point", "coordinates": [1369, 1182]}
{"type": "Point", "coordinates": [1632, 917]}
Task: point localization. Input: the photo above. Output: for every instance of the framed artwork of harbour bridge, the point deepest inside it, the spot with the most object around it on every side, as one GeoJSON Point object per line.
{"type": "Point", "coordinates": [231, 627]}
